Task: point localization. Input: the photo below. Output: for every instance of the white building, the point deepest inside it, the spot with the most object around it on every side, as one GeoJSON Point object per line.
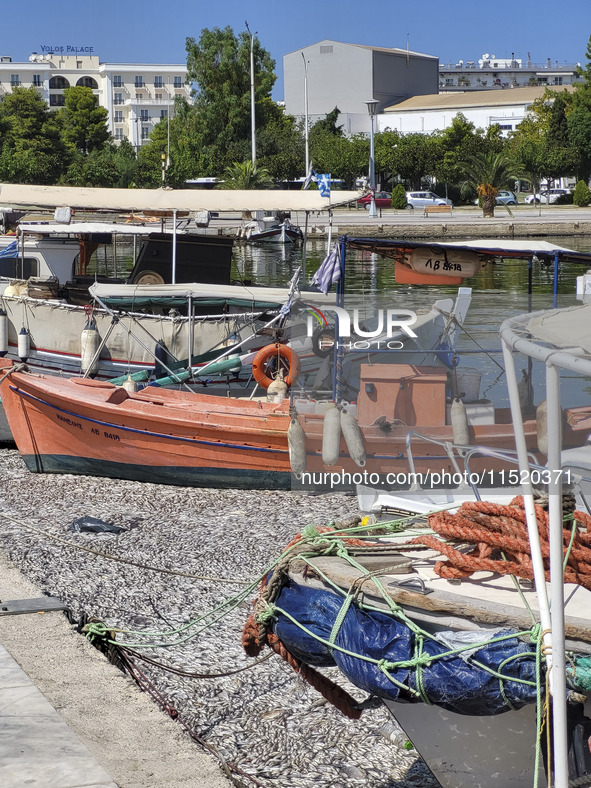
{"type": "Point", "coordinates": [493, 73]}
{"type": "Point", "coordinates": [484, 108]}
{"type": "Point", "coordinates": [136, 95]}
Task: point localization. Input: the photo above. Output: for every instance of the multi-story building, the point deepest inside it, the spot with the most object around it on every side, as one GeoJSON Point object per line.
{"type": "Point", "coordinates": [492, 73]}
{"type": "Point", "coordinates": [136, 95]}
{"type": "Point", "coordinates": [332, 74]}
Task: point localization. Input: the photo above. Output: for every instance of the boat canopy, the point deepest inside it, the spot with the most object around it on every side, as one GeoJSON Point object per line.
{"type": "Point", "coordinates": [482, 249]}
{"type": "Point", "coordinates": [84, 228]}
{"type": "Point", "coordinates": [136, 296]}
{"type": "Point", "coordinates": [169, 200]}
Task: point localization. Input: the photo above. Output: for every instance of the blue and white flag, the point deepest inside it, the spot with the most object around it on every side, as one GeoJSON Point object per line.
{"type": "Point", "coordinates": [311, 174]}
{"type": "Point", "coordinates": [10, 251]}
{"type": "Point", "coordinates": [324, 185]}
{"type": "Point", "coordinates": [329, 271]}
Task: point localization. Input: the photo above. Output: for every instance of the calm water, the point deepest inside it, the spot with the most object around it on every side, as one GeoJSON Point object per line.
{"type": "Point", "coordinates": [499, 291]}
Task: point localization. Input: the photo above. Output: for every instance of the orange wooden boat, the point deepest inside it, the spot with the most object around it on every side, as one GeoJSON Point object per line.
{"type": "Point", "coordinates": [83, 426]}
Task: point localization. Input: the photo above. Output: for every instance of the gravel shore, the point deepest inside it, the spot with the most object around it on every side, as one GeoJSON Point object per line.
{"type": "Point", "coordinates": [185, 552]}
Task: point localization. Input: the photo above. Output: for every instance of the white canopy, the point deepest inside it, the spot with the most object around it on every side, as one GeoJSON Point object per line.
{"type": "Point", "coordinates": [106, 291]}
{"type": "Point", "coordinates": [191, 200]}
{"type": "Point", "coordinates": [81, 228]}
{"type": "Point", "coordinates": [564, 328]}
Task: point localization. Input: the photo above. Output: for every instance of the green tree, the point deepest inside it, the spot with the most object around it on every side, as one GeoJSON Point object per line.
{"type": "Point", "coordinates": [31, 149]}
{"type": "Point", "coordinates": [399, 196]}
{"type": "Point", "coordinates": [246, 175]}
{"type": "Point", "coordinates": [84, 122]}
{"type": "Point", "coordinates": [489, 172]}
{"type": "Point", "coordinates": [581, 195]}
{"type": "Point", "coordinates": [219, 64]}
{"type": "Point", "coordinates": [114, 166]}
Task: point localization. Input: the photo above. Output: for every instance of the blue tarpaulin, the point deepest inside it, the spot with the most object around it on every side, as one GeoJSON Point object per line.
{"type": "Point", "coordinates": [455, 682]}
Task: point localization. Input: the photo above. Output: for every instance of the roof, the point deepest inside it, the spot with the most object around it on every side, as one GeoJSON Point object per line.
{"type": "Point", "coordinates": [475, 98]}
{"type": "Point", "coordinates": [171, 199]}
{"type": "Point", "coordinates": [389, 50]}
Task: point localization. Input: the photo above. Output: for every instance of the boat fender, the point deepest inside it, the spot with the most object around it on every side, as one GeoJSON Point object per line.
{"type": "Point", "coordinates": [23, 344]}
{"type": "Point", "coordinates": [331, 436]}
{"type": "Point", "coordinates": [277, 390]}
{"type": "Point", "coordinates": [90, 340]}
{"type": "Point", "coordinates": [3, 333]}
{"type": "Point", "coordinates": [296, 441]}
{"type": "Point", "coordinates": [459, 422]}
{"type": "Point", "coordinates": [542, 427]}
{"type": "Point", "coordinates": [353, 438]}
{"type": "Point", "coordinates": [323, 341]}
{"type": "Point", "coordinates": [280, 353]}
{"type": "Point", "coordinates": [130, 384]}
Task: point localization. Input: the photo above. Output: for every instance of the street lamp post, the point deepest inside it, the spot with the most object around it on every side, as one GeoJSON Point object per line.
{"type": "Point", "coordinates": [306, 115]}
{"type": "Point", "coordinates": [371, 108]}
{"type": "Point", "coordinates": [252, 103]}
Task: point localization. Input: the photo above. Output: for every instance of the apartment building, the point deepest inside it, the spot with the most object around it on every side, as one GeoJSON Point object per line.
{"type": "Point", "coordinates": [136, 95]}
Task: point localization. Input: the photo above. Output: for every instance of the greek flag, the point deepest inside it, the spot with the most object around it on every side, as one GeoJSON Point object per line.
{"type": "Point", "coordinates": [311, 174]}
{"type": "Point", "coordinates": [324, 185]}
{"type": "Point", "coordinates": [329, 271]}
{"type": "Point", "coordinates": [10, 251]}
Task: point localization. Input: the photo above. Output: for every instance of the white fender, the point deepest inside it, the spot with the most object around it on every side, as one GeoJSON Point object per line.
{"type": "Point", "coordinates": [130, 384]}
{"type": "Point", "coordinates": [353, 438]}
{"type": "Point", "coordinates": [459, 422]}
{"type": "Point", "coordinates": [89, 343]}
{"type": "Point", "coordinates": [23, 344]}
{"type": "Point", "coordinates": [331, 436]}
{"type": "Point", "coordinates": [542, 426]}
{"type": "Point", "coordinates": [277, 390]}
{"type": "Point", "coordinates": [3, 333]}
{"type": "Point", "coordinates": [296, 440]}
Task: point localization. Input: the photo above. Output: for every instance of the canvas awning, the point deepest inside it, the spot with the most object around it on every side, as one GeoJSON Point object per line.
{"type": "Point", "coordinates": [218, 200]}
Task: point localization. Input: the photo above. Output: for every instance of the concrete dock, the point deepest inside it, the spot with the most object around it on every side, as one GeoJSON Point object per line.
{"type": "Point", "coordinates": [70, 719]}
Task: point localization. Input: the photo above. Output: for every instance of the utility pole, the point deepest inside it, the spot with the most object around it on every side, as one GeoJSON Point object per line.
{"type": "Point", "coordinates": [306, 116]}
{"type": "Point", "coordinates": [252, 103]}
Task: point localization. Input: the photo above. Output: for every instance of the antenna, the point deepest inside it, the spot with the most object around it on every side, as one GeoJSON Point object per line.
{"type": "Point", "coordinates": [407, 51]}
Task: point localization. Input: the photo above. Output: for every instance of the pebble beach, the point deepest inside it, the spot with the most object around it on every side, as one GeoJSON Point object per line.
{"type": "Point", "coordinates": [177, 580]}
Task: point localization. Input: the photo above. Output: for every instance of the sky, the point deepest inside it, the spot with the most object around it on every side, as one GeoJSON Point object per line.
{"type": "Point", "coordinates": [154, 31]}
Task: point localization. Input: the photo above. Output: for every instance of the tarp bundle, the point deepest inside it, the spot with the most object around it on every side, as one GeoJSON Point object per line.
{"type": "Point", "coordinates": [456, 682]}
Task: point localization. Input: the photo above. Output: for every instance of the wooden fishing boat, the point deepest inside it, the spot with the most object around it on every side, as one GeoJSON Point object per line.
{"type": "Point", "coordinates": [78, 425]}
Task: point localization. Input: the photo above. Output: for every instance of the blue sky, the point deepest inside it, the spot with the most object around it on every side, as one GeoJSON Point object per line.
{"type": "Point", "coordinates": [154, 31]}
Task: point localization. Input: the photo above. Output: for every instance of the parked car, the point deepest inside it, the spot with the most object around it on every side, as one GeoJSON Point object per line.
{"type": "Point", "coordinates": [549, 197]}
{"type": "Point", "coordinates": [504, 197]}
{"type": "Point", "coordinates": [383, 200]}
{"type": "Point", "coordinates": [422, 199]}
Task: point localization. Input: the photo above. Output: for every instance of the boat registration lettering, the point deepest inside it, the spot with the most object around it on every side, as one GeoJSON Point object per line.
{"type": "Point", "coordinates": [70, 422]}
{"type": "Point", "coordinates": [443, 265]}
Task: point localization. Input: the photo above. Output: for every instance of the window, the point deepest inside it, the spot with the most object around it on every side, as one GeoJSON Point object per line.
{"type": "Point", "coordinates": [178, 82]}
{"type": "Point", "coordinates": [449, 81]}
{"type": "Point", "coordinates": [37, 80]}
{"type": "Point", "coordinates": [139, 82]}
{"type": "Point", "coordinates": [163, 113]}
{"type": "Point", "coordinates": [326, 49]}
{"type": "Point", "coordinates": [10, 267]}
{"type": "Point", "coordinates": [118, 116]}
{"type": "Point", "coordinates": [505, 127]}
{"type": "Point", "coordinates": [558, 80]}
{"type": "Point", "coordinates": [119, 134]}
{"type": "Point", "coordinates": [144, 115]}
{"type": "Point", "coordinates": [145, 132]}
{"type": "Point", "coordinates": [87, 82]}
{"type": "Point", "coordinates": [57, 100]}
{"type": "Point", "coordinates": [117, 81]}
{"type": "Point", "coordinates": [158, 82]}
{"type": "Point", "coordinates": [118, 98]}
{"type": "Point", "coordinates": [15, 80]}
{"type": "Point", "coordinates": [78, 64]}
{"type": "Point", "coordinates": [158, 96]}
{"type": "Point", "coordinates": [58, 83]}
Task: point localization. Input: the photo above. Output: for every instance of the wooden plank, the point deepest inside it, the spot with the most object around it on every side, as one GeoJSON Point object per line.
{"type": "Point", "coordinates": [43, 604]}
{"type": "Point", "coordinates": [485, 612]}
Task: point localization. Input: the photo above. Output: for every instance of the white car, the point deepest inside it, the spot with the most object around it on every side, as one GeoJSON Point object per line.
{"type": "Point", "coordinates": [421, 199]}
{"type": "Point", "coordinates": [548, 197]}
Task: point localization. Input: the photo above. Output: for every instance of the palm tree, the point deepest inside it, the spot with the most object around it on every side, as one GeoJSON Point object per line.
{"type": "Point", "coordinates": [246, 175]}
{"type": "Point", "coordinates": [489, 172]}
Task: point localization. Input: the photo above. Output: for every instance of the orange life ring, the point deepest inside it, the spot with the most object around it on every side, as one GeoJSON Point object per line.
{"type": "Point", "coordinates": [285, 355]}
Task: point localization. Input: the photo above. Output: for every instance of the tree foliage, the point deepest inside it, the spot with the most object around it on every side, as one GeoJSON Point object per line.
{"type": "Point", "coordinates": [488, 172]}
{"type": "Point", "coordinates": [84, 122]}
